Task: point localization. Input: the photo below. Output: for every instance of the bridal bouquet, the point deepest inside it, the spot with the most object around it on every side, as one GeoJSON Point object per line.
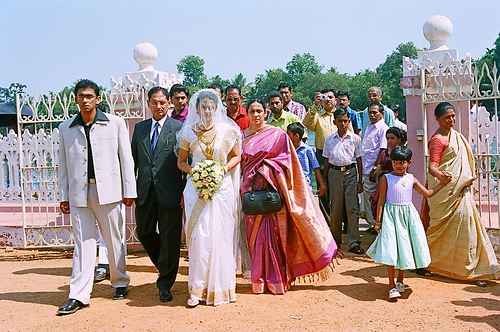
{"type": "Point", "coordinates": [207, 177]}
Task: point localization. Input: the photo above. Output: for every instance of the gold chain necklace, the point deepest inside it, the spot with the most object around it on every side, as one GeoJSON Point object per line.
{"type": "Point", "coordinates": [207, 137]}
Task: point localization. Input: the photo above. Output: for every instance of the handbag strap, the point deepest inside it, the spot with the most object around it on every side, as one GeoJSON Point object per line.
{"type": "Point", "coordinates": [255, 178]}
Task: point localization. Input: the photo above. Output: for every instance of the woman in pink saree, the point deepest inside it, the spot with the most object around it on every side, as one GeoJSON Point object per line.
{"type": "Point", "coordinates": [296, 241]}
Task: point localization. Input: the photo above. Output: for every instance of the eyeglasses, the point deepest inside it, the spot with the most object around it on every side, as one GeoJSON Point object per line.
{"type": "Point", "coordinates": [156, 103]}
{"type": "Point", "coordinates": [85, 97]}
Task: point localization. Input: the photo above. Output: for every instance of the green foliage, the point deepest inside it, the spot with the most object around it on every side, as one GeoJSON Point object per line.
{"type": "Point", "coordinates": [8, 95]}
{"type": "Point", "coordinates": [491, 58]}
{"type": "Point", "coordinates": [303, 64]}
{"type": "Point", "coordinates": [265, 83]}
{"type": "Point", "coordinates": [358, 86]}
{"type": "Point", "coordinates": [192, 67]}
{"type": "Point", "coordinates": [241, 81]}
{"type": "Point", "coordinates": [391, 72]}
{"type": "Point", "coordinates": [310, 83]}
{"type": "Point", "coordinates": [492, 55]}
{"type": "Point", "coordinates": [218, 80]}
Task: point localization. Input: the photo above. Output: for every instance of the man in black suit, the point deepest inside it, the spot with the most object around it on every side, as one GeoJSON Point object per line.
{"type": "Point", "coordinates": [159, 189]}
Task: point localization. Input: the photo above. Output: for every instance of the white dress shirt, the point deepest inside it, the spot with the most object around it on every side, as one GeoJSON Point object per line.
{"type": "Point", "coordinates": [160, 125]}
{"type": "Point", "coordinates": [342, 151]}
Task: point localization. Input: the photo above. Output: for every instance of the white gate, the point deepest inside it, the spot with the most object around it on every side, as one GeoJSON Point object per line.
{"type": "Point", "coordinates": [38, 145]}
{"type": "Point", "coordinates": [476, 92]}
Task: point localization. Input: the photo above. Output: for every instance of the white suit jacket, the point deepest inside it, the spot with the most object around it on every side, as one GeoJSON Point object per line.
{"type": "Point", "coordinates": [112, 156]}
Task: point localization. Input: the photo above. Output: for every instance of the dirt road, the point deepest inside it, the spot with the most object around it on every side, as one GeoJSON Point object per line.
{"type": "Point", "coordinates": [35, 283]}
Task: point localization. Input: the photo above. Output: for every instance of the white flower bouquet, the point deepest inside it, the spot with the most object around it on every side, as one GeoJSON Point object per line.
{"type": "Point", "coordinates": [206, 176]}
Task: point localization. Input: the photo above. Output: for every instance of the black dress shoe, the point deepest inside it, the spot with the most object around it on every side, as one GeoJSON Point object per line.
{"type": "Point", "coordinates": [100, 274]}
{"type": "Point", "coordinates": [165, 295]}
{"type": "Point", "coordinates": [120, 293]}
{"type": "Point", "coordinates": [71, 307]}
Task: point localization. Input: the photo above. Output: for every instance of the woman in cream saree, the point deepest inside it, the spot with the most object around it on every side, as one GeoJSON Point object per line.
{"type": "Point", "coordinates": [458, 242]}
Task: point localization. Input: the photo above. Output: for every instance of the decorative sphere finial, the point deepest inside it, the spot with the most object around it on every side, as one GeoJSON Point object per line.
{"type": "Point", "coordinates": [437, 29]}
{"type": "Point", "coordinates": [145, 54]}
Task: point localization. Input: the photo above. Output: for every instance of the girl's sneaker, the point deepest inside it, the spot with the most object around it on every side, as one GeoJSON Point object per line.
{"type": "Point", "coordinates": [393, 293]}
{"type": "Point", "coordinates": [400, 287]}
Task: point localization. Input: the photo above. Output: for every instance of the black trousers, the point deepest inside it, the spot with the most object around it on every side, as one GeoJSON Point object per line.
{"type": "Point", "coordinates": [163, 248]}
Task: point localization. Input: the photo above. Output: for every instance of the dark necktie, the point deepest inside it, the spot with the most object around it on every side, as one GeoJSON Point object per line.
{"type": "Point", "coordinates": [154, 140]}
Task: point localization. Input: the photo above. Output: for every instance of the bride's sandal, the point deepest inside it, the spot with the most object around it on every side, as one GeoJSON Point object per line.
{"type": "Point", "coordinates": [192, 302]}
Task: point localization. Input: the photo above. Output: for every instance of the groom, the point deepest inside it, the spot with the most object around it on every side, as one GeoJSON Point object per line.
{"type": "Point", "coordinates": [159, 189]}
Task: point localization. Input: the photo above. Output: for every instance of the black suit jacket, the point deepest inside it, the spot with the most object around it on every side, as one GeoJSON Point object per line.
{"type": "Point", "coordinates": [159, 170]}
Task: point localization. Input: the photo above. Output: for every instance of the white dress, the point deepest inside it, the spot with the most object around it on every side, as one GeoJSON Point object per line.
{"type": "Point", "coordinates": [211, 225]}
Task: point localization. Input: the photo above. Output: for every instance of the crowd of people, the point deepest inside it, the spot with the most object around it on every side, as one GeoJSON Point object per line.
{"type": "Point", "coordinates": [189, 165]}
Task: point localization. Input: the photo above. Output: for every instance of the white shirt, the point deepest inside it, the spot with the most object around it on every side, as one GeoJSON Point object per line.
{"type": "Point", "coordinates": [400, 125]}
{"type": "Point", "coordinates": [160, 125]}
{"type": "Point", "coordinates": [373, 140]}
{"type": "Point", "coordinates": [342, 151]}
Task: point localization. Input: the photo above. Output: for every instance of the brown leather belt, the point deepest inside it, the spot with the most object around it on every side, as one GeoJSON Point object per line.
{"type": "Point", "coordinates": [343, 168]}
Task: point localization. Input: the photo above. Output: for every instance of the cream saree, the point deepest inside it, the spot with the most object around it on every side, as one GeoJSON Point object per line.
{"type": "Point", "coordinates": [458, 242]}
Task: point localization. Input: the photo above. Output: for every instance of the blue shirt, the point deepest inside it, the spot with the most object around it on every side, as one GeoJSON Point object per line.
{"type": "Point", "coordinates": [355, 119]}
{"type": "Point", "coordinates": [308, 160]}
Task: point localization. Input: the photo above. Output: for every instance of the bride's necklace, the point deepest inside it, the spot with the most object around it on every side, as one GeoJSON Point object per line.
{"type": "Point", "coordinates": [207, 137]}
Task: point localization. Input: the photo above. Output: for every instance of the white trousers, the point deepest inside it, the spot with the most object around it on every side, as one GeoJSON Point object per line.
{"type": "Point", "coordinates": [103, 247]}
{"type": "Point", "coordinates": [110, 220]}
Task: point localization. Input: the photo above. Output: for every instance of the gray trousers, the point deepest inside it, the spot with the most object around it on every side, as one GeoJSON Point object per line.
{"type": "Point", "coordinates": [369, 189]}
{"type": "Point", "coordinates": [343, 192]}
{"type": "Point", "coordinates": [110, 220]}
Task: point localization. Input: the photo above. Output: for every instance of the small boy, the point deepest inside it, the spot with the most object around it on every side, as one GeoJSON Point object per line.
{"type": "Point", "coordinates": [306, 155]}
{"type": "Point", "coordinates": [342, 152]}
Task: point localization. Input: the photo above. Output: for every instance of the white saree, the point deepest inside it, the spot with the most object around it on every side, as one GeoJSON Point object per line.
{"type": "Point", "coordinates": [211, 226]}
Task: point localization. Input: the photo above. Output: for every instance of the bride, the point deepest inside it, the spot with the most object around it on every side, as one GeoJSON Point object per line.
{"type": "Point", "coordinates": [208, 134]}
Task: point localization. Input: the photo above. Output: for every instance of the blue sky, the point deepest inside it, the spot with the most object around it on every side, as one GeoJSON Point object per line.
{"type": "Point", "coordinates": [49, 44]}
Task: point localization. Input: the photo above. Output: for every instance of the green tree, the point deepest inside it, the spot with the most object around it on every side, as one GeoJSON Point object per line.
{"type": "Point", "coordinates": [303, 64]}
{"type": "Point", "coordinates": [192, 67]}
{"type": "Point", "coordinates": [391, 72]}
{"type": "Point", "coordinates": [219, 80]}
{"type": "Point", "coordinates": [492, 55]}
{"type": "Point", "coordinates": [241, 81]}
{"type": "Point", "coordinates": [358, 86]}
{"type": "Point", "coordinates": [310, 83]}
{"type": "Point", "coordinates": [265, 83]}
{"type": "Point", "coordinates": [8, 95]}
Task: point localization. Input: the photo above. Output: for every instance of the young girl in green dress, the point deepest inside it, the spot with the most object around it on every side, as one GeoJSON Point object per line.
{"type": "Point", "coordinates": [401, 243]}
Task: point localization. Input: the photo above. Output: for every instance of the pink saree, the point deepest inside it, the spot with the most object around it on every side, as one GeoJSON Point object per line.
{"type": "Point", "coordinates": [296, 241]}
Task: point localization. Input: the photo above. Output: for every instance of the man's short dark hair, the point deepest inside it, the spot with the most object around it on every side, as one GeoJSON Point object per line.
{"type": "Point", "coordinates": [344, 93]}
{"type": "Point", "coordinates": [379, 105]}
{"type": "Point", "coordinates": [176, 88]}
{"type": "Point", "coordinates": [157, 89]}
{"type": "Point", "coordinates": [215, 86]}
{"type": "Point", "coordinates": [296, 128]}
{"type": "Point", "coordinates": [274, 94]}
{"type": "Point", "coordinates": [395, 107]}
{"type": "Point", "coordinates": [329, 90]}
{"type": "Point", "coordinates": [86, 83]}
{"type": "Point", "coordinates": [284, 85]}
{"type": "Point", "coordinates": [231, 87]}
{"type": "Point", "coordinates": [339, 112]}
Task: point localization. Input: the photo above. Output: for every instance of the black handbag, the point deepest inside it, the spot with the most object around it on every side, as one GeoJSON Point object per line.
{"type": "Point", "coordinates": [256, 202]}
